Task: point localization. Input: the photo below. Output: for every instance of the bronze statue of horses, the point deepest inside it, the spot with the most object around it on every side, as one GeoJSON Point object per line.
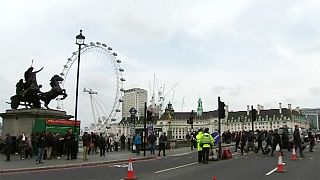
{"type": "Point", "coordinates": [55, 91]}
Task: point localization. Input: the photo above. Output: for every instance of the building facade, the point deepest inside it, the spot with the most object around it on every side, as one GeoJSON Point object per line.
{"type": "Point", "coordinates": [313, 116]}
{"type": "Point", "coordinates": [269, 119]}
{"type": "Point", "coordinates": [134, 98]}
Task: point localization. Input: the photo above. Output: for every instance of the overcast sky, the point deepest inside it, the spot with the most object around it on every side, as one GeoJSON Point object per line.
{"type": "Point", "coordinates": [248, 52]}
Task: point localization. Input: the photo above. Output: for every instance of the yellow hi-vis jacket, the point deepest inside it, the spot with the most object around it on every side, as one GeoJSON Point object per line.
{"type": "Point", "coordinates": [198, 137]}
{"type": "Point", "coordinates": [206, 141]}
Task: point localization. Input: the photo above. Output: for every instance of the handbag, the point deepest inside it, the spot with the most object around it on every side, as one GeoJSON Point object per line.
{"type": "Point", "coordinates": [278, 147]}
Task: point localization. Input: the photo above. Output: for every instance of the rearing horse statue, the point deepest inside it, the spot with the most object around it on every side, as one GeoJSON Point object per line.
{"type": "Point", "coordinates": [55, 91]}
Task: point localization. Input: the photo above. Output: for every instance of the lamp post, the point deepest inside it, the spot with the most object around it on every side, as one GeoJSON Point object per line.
{"type": "Point", "coordinates": [79, 41]}
{"type": "Point", "coordinates": [170, 113]}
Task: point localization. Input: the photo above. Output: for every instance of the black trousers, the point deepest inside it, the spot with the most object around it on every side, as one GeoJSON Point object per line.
{"type": "Point", "coordinates": [102, 150]}
{"type": "Point", "coordinates": [205, 154]}
{"type": "Point", "coordinates": [237, 145]}
{"type": "Point", "coordinates": [162, 147]}
{"type": "Point", "coordinates": [259, 146]}
{"type": "Point", "coordinates": [200, 157]}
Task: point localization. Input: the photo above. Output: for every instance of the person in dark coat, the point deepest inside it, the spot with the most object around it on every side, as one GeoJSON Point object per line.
{"type": "Point", "coordinates": [102, 145]}
{"type": "Point", "coordinates": [40, 144]}
{"type": "Point", "coordinates": [260, 139]}
{"type": "Point", "coordinates": [69, 143]}
{"type": "Point", "coordinates": [8, 146]}
{"type": "Point", "coordinates": [297, 140]}
{"type": "Point", "coordinates": [243, 140]}
{"type": "Point", "coordinates": [152, 142]}
{"type": "Point", "coordinates": [237, 140]}
{"type": "Point", "coordinates": [275, 141]}
{"type": "Point", "coordinates": [162, 144]}
{"type": "Point", "coordinates": [311, 141]}
{"type": "Point", "coordinates": [123, 141]}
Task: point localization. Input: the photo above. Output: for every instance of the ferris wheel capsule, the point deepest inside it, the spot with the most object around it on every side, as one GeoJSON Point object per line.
{"type": "Point", "coordinates": [120, 100]}
{"type": "Point", "coordinates": [74, 53]}
{"type": "Point", "coordinates": [61, 74]}
{"type": "Point", "coordinates": [118, 110]}
{"type": "Point", "coordinates": [115, 54]}
{"type": "Point", "coordinates": [104, 45]}
{"type": "Point", "coordinates": [98, 43]}
{"type": "Point", "coordinates": [92, 44]}
{"type": "Point", "coordinates": [122, 79]}
{"type": "Point", "coordinates": [118, 61]}
{"type": "Point", "coordinates": [121, 70]}
{"type": "Point", "coordinates": [121, 89]}
{"type": "Point", "coordinates": [110, 48]}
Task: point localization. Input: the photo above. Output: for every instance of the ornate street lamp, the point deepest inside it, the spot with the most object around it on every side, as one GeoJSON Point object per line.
{"type": "Point", "coordinates": [170, 113]}
{"type": "Point", "coordinates": [79, 41]}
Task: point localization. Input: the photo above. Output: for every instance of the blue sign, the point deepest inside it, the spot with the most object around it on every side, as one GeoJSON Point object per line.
{"type": "Point", "coordinates": [216, 137]}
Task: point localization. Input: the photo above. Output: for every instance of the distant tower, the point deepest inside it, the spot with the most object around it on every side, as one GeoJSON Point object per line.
{"type": "Point", "coordinates": [199, 109]}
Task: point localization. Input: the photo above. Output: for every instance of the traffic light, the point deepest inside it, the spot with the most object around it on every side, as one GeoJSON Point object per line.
{"type": "Point", "coordinates": [254, 114]}
{"type": "Point", "coordinates": [190, 119]}
{"type": "Point", "coordinates": [150, 116]}
{"type": "Point", "coordinates": [221, 110]}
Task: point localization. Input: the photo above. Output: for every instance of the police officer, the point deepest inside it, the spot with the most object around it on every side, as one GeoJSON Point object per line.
{"type": "Point", "coordinates": [206, 142]}
{"type": "Point", "coordinates": [198, 138]}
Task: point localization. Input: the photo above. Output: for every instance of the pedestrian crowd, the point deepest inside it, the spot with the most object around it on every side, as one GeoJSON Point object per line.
{"type": "Point", "coordinates": [246, 141]}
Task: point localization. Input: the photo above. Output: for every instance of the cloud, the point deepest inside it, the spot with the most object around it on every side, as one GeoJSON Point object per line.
{"type": "Point", "coordinates": [315, 91]}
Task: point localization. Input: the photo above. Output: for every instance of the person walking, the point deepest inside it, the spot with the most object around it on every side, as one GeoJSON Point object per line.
{"type": "Point", "coordinates": [250, 141]}
{"type": "Point", "coordinates": [116, 142]}
{"type": "Point", "coordinates": [311, 141]}
{"type": "Point", "coordinates": [162, 144]}
{"type": "Point", "coordinates": [86, 140]}
{"type": "Point", "coordinates": [268, 140]}
{"type": "Point", "coordinates": [137, 143]}
{"type": "Point", "coordinates": [123, 141]}
{"type": "Point", "coordinates": [297, 140]}
{"type": "Point", "coordinates": [198, 137]}
{"type": "Point", "coordinates": [8, 146]}
{"type": "Point", "coordinates": [102, 145]}
{"type": "Point", "coordinates": [259, 140]}
{"type": "Point", "coordinates": [237, 140]}
{"type": "Point", "coordinates": [69, 141]}
{"type": "Point", "coordinates": [243, 140]}
{"type": "Point", "coordinates": [275, 141]}
{"type": "Point", "coordinates": [49, 144]}
{"type": "Point", "coordinates": [22, 145]}
{"type": "Point", "coordinates": [206, 142]}
{"type": "Point", "coordinates": [40, 145]}
{"type": "Point", "coordinates": [152, 142]}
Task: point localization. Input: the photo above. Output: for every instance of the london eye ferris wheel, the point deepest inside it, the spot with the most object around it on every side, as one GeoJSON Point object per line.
{"type": "Point", "coordinates": [101, 79]}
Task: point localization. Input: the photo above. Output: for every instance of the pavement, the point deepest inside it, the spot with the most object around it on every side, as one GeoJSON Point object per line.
{"type": "Point", "coordinates": [17, 165]}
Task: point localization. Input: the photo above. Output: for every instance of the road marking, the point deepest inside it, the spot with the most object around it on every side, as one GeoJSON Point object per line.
{"type": "Point", "coordinates": [119, 165]}
{"type": "Point", "coordinates": [311, 158]}
{"type": "Point", "coordinates": [180, 154]}
{"type": "Point", "coordinates": [176, 167]}
{"type": "Point", "coordinates": [273, 170]}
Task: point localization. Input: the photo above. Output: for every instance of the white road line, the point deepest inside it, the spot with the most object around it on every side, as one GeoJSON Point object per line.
{"type": "Point", "coordinates": [179, 154]}
{"type": "Point", "coordinates": [273, 170]}
{"type": "Point", "coordinates": [176, 167]}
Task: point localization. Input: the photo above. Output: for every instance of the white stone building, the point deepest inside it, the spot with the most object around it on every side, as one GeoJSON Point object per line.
{"type": "Point", "coordinates": [134, 98]}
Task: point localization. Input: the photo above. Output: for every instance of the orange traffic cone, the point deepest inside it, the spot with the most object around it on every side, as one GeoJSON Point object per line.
{"type": "Point", "coordinates": [280, 164]}
{"type": "Point", "coordinates": [294, 154]}
{"type": "Point", "coordinates": [130, 174]}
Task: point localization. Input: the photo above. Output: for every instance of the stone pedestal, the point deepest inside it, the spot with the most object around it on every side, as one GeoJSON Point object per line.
{"type": "Point", "coordinates": [16, 121]}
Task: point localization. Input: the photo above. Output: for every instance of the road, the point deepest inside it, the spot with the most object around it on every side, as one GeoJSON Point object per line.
{"type": "Point", "coordinates": [184, 166]}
